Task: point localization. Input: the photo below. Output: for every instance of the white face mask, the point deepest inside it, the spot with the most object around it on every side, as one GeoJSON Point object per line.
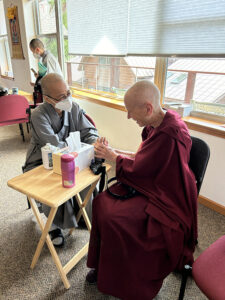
{"type": "Point", "coordinates": [36, 55]}
{"type": "Point", "coordinates": [65, 104]}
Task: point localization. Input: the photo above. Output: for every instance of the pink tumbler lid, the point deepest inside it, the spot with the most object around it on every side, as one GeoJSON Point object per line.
{"type": "Point", "coordinates": [67, 157]}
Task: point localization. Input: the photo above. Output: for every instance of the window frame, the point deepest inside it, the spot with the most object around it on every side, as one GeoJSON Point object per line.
{"type": "Point", "coordinates": [58, 35]}
{"type": "Point", "coordinates": [7, 51]}
{"type": "Point", "coordinates": [161, 64]}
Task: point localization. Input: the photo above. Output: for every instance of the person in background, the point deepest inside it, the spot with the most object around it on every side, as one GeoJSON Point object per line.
{"type": "Point", "coordinates": [136, 242]}
{"type": "Point", "coordinates": [52, 122]}
{"type": "Point", "coordinates": [47, 62]}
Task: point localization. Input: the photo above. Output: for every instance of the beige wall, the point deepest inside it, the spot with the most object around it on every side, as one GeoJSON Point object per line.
{"type": "Point", "coordinates": [213, 186]}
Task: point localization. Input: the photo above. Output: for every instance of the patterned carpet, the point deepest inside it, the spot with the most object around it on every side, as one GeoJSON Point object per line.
{"type": "Point", "coordinates": [20, 234]}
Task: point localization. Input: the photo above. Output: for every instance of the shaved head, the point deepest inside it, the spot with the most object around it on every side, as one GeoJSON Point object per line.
{"type": "Point", "coordinates": [50, 82]}
{"type": "Point", "coordinates": [143, 92]}
{"type": "Point", "coordinates": [142, 103]}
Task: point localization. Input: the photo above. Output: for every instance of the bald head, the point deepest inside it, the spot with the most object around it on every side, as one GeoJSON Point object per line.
{"type": "Point", "coordinates": [142, 102]}
{"type": "Point", "coordinates": [50, 82]}
{"type": "Point", "coordinates": [143, 92]}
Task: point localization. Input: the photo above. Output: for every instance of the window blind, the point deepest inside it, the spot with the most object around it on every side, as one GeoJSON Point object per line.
{"type": "Point", "coordinates": [147, 27]}
{"type": "Point", "coordinates": [97, 27]}
{"type": "Point", "coordinates": [170, 27]}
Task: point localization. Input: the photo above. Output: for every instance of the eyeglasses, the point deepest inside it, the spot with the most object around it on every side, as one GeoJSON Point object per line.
{"type": "Point", "coordinates": [62, 98]}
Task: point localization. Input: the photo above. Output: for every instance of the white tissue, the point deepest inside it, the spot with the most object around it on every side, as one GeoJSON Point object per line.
{"type": "Point", "coordinates": [73, 141]}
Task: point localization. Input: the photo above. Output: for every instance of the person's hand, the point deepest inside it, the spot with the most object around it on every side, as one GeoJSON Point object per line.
{"type": "Point", "coordinates": [102, 150]}
{"type": "Point", "coordinates": [103, 141]}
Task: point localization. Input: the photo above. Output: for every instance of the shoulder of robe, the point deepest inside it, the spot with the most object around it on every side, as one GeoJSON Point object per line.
{"type": "Point", "coordinates": [75, 108]}
{"type": "Point", "coordinates": [176, 128]}
{"type": "Point", "coordinates": [41, 111]}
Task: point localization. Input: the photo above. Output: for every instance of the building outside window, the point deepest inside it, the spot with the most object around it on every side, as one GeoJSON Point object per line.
{"type": "Point", "coordinates": [199, 82]}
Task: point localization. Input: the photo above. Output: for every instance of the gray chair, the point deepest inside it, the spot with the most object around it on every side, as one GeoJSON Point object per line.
{"type": "Point", "coordinates": [199, 158]}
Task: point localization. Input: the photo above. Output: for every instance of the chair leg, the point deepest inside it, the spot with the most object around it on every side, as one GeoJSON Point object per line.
{"type": "Point", "coordinates": [28, 127]}
{"type": "Point", "coordinates": [21, 131]}
{"type": "Point", "coordinates": [186, 272]}
{"type": "Point", "coordinates": [28, 203]}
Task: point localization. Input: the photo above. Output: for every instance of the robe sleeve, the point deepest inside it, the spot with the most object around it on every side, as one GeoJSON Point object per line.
{"type": "Point", "coordinates": [53, 65]}
{"type": "Point", "coordinates": [43, 132]}
{"type": "Point", "coordinates": [88, 132]}
{"type": "Point", "coordinates": [152, 164]}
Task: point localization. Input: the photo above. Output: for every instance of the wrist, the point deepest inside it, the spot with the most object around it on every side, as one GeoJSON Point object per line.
{"type": "Point", "coordinates": [114, 157]}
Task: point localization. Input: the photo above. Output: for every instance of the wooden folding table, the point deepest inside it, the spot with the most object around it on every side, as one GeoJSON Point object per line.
{"type": "Point", "coordinates": [46, 187]}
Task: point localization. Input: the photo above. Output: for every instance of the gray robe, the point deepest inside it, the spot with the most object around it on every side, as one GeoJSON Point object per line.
{"type": "Point", "coordinates": [51, 63]}
{"type": "Point", "coordinates": [48, 127]}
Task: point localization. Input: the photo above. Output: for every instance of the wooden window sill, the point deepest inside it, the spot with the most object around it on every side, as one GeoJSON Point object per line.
{"type": "Point", "coordinates": [98, 99]}
{"type": "Point", "coordinates": [7, 77]}
{"type": "Point", "coordinates": [193, 123]}
{"type": "Point", "coordinates": [205, 126]}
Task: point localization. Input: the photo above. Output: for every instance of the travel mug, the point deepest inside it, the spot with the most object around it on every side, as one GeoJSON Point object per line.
{"type": "Point", "coordinates": [68, 170]}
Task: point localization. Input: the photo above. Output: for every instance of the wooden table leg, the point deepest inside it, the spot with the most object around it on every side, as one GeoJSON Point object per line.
{"type": "Point", "coordinates": [45, 237]}
{"type": "Point", "coordinates": [82, 205]}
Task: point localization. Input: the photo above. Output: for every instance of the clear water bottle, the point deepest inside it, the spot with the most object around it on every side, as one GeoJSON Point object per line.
{"type": "Point", "coordinates": [68, 170]}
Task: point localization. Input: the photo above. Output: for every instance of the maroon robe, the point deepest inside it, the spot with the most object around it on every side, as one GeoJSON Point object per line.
{"type": "Point", "coordinates": [135, 243]}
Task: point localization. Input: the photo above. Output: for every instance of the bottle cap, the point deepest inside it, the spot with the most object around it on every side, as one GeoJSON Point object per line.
{"type": "Point", "coordinates": [47, 146]}
{"type": "Point", "coordinates": [67, 157]}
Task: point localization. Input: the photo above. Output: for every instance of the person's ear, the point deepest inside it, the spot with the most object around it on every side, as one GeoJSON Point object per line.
{"type": "Point", "coordinates": [48, 100]}
{"type": "Point", "coordinates": [38, 50]}
{"type": "Point", "coordinates": [149, 109]}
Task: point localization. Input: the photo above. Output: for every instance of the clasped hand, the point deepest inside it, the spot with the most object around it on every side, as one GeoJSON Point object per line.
{"type": "Point", "coordinates": [103, 150]}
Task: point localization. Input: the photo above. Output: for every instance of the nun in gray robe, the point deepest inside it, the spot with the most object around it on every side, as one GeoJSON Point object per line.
{"type": "Point", "coordinates": [48, 127]}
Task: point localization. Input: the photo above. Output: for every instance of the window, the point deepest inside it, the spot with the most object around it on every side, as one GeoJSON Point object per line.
{"type": "Point", "coordinates": [46, 17]}
{"type": "Point", "coordinates": [143, 27]}
{"type": "Point", "coordinates": [167, 28]}
{"type": "Point", "coordinates": [48, 26]}
{"type": "Point", "coordinates": [66, 55]}
{"type": "Point", "coordinates": [5, 59]}
{"type": "Point", "coordinates": [199, 82]}
{"type": "Point", "coordinates": [110, 74]}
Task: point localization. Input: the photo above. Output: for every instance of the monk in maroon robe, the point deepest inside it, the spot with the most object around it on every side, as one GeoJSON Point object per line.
{"type": "Point", "coordinates": [135, 243]}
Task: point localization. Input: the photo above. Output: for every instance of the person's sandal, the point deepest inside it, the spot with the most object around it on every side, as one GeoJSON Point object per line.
{"type": "Point", "coordinates": [57, 237]}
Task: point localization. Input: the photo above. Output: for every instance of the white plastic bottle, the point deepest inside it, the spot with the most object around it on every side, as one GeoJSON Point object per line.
{"type": "Point", "coordinates": [46, 153]}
